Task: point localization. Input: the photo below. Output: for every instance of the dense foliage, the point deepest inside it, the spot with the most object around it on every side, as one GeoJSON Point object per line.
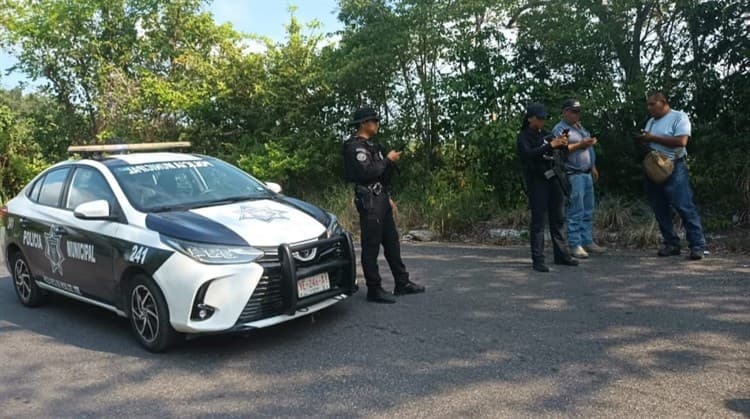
{"type": "Point", "coordinates": [450, 77]}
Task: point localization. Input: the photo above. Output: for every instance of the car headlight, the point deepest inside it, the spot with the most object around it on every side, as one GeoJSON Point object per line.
{"type": "Point", "coordinates": [213, 254]}
{"type": "Point", "coordinates": [334, 228]}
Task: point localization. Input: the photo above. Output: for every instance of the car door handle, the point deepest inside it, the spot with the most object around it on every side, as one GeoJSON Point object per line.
{"type": "Point", "coordinates": [60, 231]}
{"type": "Point", "coordinates": [24, 221]}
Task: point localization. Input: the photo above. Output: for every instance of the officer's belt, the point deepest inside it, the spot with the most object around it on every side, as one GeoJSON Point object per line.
{"type": "Point", "coordinates": [376, 188]}
{"type": "Point", "coordinates": [570, 171]}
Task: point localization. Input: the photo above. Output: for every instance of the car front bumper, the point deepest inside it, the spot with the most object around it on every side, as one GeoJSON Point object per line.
{"type": "Point", "coordinates": [259, 294]}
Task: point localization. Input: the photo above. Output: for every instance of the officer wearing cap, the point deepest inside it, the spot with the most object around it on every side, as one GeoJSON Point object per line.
{"type": "Point", "coordinates": [367, 167]}
{"type": "Point", "coordinates": [580, 167]}
{"type": "Point", "coordinates": [544, 185]}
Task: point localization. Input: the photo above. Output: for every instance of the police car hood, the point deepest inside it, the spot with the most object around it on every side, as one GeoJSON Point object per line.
{"type": "Point", "coordinates": [262, 223]}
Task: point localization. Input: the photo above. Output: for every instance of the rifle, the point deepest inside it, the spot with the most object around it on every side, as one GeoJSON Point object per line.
{"type": "Point", "coordinates": [557, 160]}
{"type": "Point", "coordinates": [558, 166]}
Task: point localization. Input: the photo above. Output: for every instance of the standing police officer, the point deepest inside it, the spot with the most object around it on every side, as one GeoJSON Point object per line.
{"type": "Point", "coordinates": [546, 182]}
{"type": "Point", "coordinates": [366, 166]}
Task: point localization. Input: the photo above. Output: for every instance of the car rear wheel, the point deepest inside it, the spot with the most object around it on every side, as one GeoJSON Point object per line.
{"type": "Point", "coordinates": [149, 315]}
{"type": "Point", "coordinates": [28, 292]}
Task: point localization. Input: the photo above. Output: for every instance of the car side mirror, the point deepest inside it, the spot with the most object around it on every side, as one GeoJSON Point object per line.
{"type": "Point", "coordinates": [274, 187]}
{"type": "Point", "coordinates": [94, 210]}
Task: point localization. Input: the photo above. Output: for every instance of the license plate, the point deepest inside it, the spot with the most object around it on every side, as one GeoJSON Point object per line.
{"type": "Point", "coordinates": [313, 285]}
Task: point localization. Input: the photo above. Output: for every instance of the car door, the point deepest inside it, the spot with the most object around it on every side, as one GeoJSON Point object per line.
{"type": "Point", "coordinates": [40, 238]}
{"type": "Point", "coordinates": [25, 228]}
{"type": "Point", "coordinates": [88, 244]}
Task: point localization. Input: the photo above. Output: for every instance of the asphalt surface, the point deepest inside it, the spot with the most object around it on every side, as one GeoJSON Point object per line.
{"type": "Point", "coordinates": [624, 335]}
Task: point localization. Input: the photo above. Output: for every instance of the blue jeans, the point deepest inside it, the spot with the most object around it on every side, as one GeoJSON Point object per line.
{"type": "Point", "coordinates": [676, 193]}
{"type": "Point", "coordinates": [581, 210]}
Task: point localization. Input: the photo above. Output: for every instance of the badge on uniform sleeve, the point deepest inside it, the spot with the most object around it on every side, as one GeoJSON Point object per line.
{"type": "Point", "coordinates": [361, 156]}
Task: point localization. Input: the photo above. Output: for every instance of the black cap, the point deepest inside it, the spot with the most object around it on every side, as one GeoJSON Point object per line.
{"type": "Point", "coordinates": [571, 104]}
{"type": "Point", "coordinates": [537, 110]}
{"type": "Point", "coordinates": [363, 115]}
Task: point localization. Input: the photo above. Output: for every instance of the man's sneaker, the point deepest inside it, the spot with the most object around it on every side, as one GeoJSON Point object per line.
{"type": "Point", "coordinates": [540, 267]}
{"type": "Point", "coordinates": [408, 288]}
{"type": "Point", "coordinates": [578, 252]}
{"type": "Point", "coordinates": [595, 248]}
{"type": "Point", "coordinates": [668, 250]}
{"type": "Point", "coordinates": [379, 295]}
{"type": "Point", "coordinates": [696, 254]}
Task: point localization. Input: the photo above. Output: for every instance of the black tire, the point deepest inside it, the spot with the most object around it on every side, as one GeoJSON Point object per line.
{"type": "Point", "coordinates": [27, 291]}
{"type": "Point", "coordinates": [149, 315]}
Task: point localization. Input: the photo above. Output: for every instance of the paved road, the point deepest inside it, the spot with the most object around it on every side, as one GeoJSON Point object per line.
{"type": "Point", "coordinates": [626, 335]}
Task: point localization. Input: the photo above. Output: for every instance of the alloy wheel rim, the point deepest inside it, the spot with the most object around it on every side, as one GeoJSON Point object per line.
{"type": "Point", "coordinates": [22, 280]}
{"type": "Point", "coordinates": [144, 313]}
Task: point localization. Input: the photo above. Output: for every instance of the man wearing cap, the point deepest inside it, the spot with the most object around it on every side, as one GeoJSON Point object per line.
{"type": "Point", "coordinates": [544, 186]}
{"type": "Point", "coordinates": [580, 166]}
{"type": "Point", "coordinates": [369, 170]}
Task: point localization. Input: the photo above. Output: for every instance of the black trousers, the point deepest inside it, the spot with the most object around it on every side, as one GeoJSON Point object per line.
{"type": "Point", "coordinates": [547, 202]}
{"type": "Point", "coordinates": [377, 228]}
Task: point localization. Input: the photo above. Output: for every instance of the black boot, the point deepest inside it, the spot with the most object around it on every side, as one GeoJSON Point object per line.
{"type": "Point", "coordinates": [379, 295]}
{"type": "Point", "coordinates": [408, 288]}
{"type": "Point", "coordinates": [668, 250]}
{"type": "Point", "coordinates": [540, 267]}
{"type": "Point", "coordinates": [569, 261]}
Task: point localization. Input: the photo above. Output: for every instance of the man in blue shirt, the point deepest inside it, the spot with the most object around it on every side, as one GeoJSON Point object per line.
{"type": "Point", "coordinates": [581, 169]}
{"type": "Point", "coordinates": [668, 131]}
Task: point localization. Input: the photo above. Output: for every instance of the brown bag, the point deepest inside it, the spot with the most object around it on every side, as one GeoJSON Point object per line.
{"type": "Point", "coordinates": [658, 167]}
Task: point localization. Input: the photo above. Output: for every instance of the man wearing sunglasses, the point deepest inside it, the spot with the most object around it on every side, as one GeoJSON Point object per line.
{"type": "Point", "coordinates": [368, 167]}
{"type": "Point", "coordinates": [581, 169]}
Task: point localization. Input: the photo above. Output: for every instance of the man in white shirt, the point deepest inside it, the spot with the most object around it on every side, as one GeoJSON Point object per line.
{"type": "Point", "coordinates": [668, 131]}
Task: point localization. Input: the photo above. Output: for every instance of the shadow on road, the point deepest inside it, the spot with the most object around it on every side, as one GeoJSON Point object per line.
{"type": "Point", "coordinates": [739, 406]}
{"type": "Point", "coordinates": [489, 338]}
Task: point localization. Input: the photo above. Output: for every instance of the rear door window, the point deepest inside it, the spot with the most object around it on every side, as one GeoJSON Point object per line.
{"type": "Point", "coordinates": [34, 192]}
{"type": "Point", "coordinates": [52, 187]}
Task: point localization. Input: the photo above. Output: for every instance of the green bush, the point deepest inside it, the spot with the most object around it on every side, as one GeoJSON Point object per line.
{"type": "Point", "coordinates": [453, 201]}
{"type": "Point", "coordinates": [20, 158]}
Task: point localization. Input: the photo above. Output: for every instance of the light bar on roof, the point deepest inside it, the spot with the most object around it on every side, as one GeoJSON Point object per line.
{"type": "Point", "coordinates": [118, 148]}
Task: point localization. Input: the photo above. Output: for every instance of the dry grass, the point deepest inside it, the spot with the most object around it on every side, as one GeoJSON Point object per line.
{"type": "Point", "coordinates": [626, 222]}
{"type": "Point", "coordinates": [618, 222]}
{"type": "Point", "coordinates": [340, 201]}
{"type": "Point", "coordinates": [518, 218]}
{"type": "Point", "coordinates": [736, 240]}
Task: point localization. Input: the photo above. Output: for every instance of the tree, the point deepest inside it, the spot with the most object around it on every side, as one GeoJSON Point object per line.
{"type": "Point", "coordinates": [20, 157]}
{"type": "Point", "coordinates": [292, 141]}
{"type": "Point", "coordinates": [129, 67]}
{"type": "Point", "coordinates": [610, 54]}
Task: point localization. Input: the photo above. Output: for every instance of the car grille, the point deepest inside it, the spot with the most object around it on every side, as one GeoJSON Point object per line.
{"type": "Point", "coordinates": [267, 299]}
{"type": "Point", "coordinates": [324, 254]}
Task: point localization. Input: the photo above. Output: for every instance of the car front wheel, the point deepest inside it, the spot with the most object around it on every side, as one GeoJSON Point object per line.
{"type": "Point", "coordinates": [149, 315]}
{"type": "Point", "coordinates": [28, 292]}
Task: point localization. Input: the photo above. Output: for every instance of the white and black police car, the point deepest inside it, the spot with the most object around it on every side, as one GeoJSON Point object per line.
{"type": "Point", "coordinates": [178, 243]}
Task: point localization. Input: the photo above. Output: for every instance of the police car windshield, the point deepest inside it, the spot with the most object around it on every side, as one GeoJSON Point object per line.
{"type": "Point", "coordinates": [186, 184]}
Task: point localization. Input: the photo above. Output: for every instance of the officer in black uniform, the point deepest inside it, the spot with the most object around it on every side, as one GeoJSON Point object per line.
{"type": "Point", "coordinates": [370, 170]}
{"type": "Point", "coordinates": [545, 186]}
